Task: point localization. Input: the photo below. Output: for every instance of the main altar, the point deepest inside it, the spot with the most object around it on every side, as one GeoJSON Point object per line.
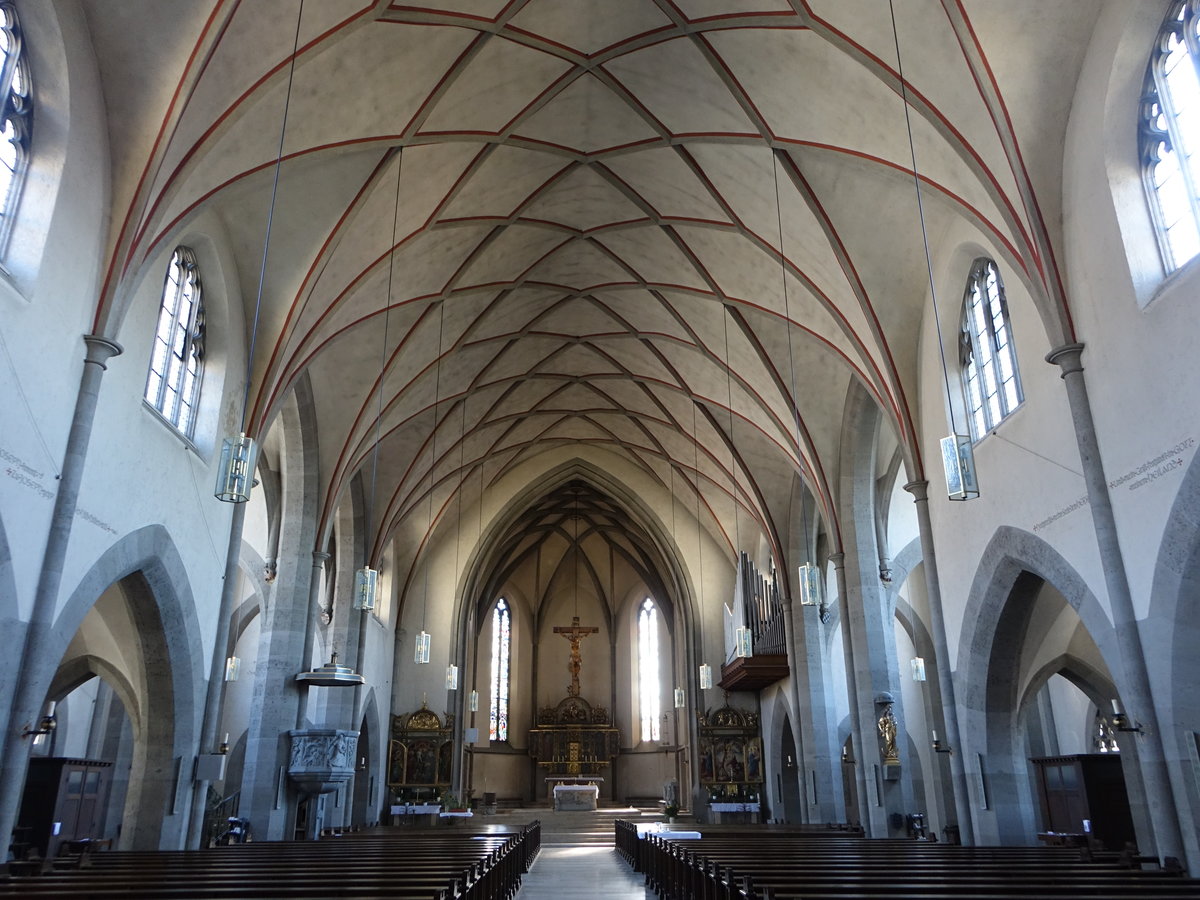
{"type": "Point", "coordinates": [574, 742]}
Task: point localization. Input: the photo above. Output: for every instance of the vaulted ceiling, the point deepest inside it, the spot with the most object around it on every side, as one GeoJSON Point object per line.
{"type": "Point", "coordinates": [675, 229]}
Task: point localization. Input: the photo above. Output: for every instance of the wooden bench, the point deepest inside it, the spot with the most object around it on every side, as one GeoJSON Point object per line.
{"type": "Point", "coordinates": [429, 864]}
{"type": "Point", "coordinates": [777, 864]}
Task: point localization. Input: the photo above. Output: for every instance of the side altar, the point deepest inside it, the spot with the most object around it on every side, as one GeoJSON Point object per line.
{"type": "Point", "coordinates": [574, 742]}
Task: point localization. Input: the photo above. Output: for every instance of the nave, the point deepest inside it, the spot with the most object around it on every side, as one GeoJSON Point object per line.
{"type": "Point", "coordinates": [774, 409]}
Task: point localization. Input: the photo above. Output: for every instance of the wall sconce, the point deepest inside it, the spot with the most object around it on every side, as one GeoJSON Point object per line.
{"type": "Point", "coordinates": [680, 698]}
{"type": "Point", "coordinates": [224, 748]}
{"type": "Point", "coordinates": [474, 704]}
{"type": "Point", "coordinates": [706, 681]}
{"type": "Point", "coordinates": [233, 668]}
{"type": "Point", "coordinates": [1121, 722]}
{"type": "Point", "coordinates": [918, 669]}
{"type": "Point", "coordinates": [937, 745]}
{"type": "Point", "coordinates": [452, 677]}
{"type": "Point", "coordinates": [45, 726]}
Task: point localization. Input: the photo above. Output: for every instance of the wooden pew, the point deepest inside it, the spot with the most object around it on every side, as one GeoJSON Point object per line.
{"type": "Point", "coordinates": [766, 864]}
{"type": "Point", "coordinates": [407, 864]}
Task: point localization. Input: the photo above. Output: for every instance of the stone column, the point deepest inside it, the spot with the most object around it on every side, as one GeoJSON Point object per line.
{"type": "Point", "coordinates": [30, 690]}
{"type": "Point", "coordinates": [789, 640]}
{"type": "Point", "coordinates": [1139, 701]}
{"type": "Point", "coordinates": [214, 696]}
{"type": "Point", "coordinates": [860, 746]}
{"type": "Point", "coordinates": [948, 706]}
{"type": "Point", "coordinates": [310, 633]}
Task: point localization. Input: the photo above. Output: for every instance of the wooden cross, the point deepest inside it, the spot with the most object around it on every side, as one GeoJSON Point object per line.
{"type": "Point", "coordinates": [575, 633]}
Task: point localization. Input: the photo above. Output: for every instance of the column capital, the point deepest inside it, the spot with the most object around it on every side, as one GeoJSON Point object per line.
{"type": "Point", "coordinates": [319, 557]}
{"type": "Point", "coordinates": [100, 350]}
{"type": "Point", "coordinates": [919, 490]}
{"type": "Point", "coordinates": [1069, 357]}
{"type": "Point", "coordinates": [838, 560]}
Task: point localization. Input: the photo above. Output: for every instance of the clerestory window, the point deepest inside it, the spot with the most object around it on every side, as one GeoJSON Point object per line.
{"type": "Point", "coordinates": [501, 657]}
{"type": "Point", "coordinates": [1169, 136]}
{"type": "Point", "coordinates": [989, 363]}
{"type": "Point", "coordinates": [16, 117]}
{"type": "Point", "coordinates": [177, 360]}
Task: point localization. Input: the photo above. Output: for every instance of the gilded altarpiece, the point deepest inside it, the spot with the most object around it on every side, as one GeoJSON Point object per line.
{"type": "Point", "coordinates": [421, 752]}
{"type": "Point", "coordinates": [574, 739]}
{"type": "Point", "coordinates": [731, 760]}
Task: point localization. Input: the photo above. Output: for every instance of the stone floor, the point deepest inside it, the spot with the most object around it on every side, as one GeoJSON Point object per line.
{"type": "Point", "coordinates": [578, 858]}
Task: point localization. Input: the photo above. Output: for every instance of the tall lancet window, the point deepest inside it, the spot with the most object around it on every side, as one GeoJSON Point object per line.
{"type": "Point", "coordinates": [15, 115]}
{"type": "Point", "coordinates": [989, 363]}
{"type": "Point", "coordinates": [177, 359]}
{"type": "Point", "coordinates": [648, 687]}
{"type": "Point", "coordinates": [501, 655]}
{"type": "Point", "coordinates": [1170, 133]}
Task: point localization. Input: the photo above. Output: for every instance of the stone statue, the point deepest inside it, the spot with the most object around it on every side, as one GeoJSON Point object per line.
{"type": "Point", "coordinates": [887, 733]}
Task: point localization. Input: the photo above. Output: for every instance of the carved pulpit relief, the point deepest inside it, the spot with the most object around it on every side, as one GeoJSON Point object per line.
{"type": "Point", "coordinates": [575, 633]}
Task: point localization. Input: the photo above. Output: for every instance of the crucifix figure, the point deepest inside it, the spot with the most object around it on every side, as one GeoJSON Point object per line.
{"type": "Point", "coordinates": [575, 633]}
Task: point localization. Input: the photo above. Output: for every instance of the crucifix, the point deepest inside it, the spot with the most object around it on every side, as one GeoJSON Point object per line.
{"type": "Point", "coordinates": [575, 633]}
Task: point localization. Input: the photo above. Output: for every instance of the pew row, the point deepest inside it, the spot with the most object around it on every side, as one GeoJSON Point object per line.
{"type": "Point", "coordinates": [408, 864]}
{"type": "Point", "coordinates": [774, 865]}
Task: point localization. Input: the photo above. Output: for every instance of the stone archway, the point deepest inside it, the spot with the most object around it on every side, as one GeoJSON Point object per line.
{"type": "Point", "coordinates": [137, 594]}
{"type": "Point", "coordinates": [1021, 588]}
{"type": "Point", "coordinates": [1174, 622]}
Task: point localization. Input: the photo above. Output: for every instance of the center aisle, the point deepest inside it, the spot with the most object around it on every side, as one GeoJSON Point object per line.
{"type": "Point", "coordinates": [578, 859]}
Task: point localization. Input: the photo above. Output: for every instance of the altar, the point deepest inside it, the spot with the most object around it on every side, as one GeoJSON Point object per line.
{"type": "Point", "coordinates": [576, 796]}
{"type": "Point", "coordinates": [574, 742]}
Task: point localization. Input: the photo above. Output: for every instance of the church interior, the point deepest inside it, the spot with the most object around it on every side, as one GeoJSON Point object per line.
{"type": "Point", "coordinates": [766, 411]}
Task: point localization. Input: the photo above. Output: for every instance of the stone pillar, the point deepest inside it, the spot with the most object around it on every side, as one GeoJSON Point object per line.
{"type": "Point", "coordinates": [948, 707]}
{"type": "Point", "coordinates": [1139, 701]}
{"type": "Point", "coordinates": [819, 752]}
{"type": "Point", "coordinates": [860, 747]}
{"type": "Point", "coordinates": [789, 640]}
{"type": "Point", "coordinates": [30, 690]}
{"type": "Point", "coordinates": [310, 632]}
{"type": "Point", "coordinates": [214, 696]}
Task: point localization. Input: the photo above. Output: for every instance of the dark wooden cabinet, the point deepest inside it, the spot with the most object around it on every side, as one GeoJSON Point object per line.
{"type": "Point", "coordinates": [1085, 794]}
{"type": "Point", "coordinates": [65, 800]}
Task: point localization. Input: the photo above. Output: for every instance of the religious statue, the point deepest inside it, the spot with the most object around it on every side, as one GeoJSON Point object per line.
{"type": "Point", "coordinates": [575, 633]}
{"type": "Point", "coordinates": [887, 732]}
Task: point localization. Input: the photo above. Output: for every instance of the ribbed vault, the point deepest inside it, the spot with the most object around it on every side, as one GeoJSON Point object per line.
{"type": "Point", "coordinates": [674, 229]}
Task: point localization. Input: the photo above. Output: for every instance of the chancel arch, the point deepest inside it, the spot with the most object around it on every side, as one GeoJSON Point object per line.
{"type": "Point", "coordinates": [574, 568]}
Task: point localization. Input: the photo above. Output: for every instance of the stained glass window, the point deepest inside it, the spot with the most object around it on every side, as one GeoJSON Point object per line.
{"type": "Point", "coordinates": [1169, 135]}
{"type": "Point", "coordinates": [501, 656]}
{"type": "Point", "coordinates": [648, 686]}
{"type": "Point", "coordinates": [177, 360]}
{"type": "Point", "coordinates": [989, 363]}
{"type": "Point", "coordinates": [15, 116]}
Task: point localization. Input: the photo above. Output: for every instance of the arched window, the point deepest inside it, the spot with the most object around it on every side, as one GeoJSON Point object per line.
{"type": "Point", "coordinates": [648, 687]}
{"type": "Point", "coordinates": [989, 363]}
{"type": "Point", "coordinates": [16, 118]}
{"type": "Point", "coordinates": [177, 360]}
{"type": "Point", "coordinates": [1170, 133]}
{"type": "Point", "coordinates": [501, 656]}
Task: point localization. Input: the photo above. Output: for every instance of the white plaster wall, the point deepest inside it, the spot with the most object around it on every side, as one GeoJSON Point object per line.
{"type": "Point", "coordinates": [46, 299]}
{"type": "Point", "coordinates": [1072, 716]}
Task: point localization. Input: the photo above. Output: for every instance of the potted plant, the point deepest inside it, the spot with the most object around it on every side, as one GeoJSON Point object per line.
{"type": "Point", "coordinates": [671, 810]}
